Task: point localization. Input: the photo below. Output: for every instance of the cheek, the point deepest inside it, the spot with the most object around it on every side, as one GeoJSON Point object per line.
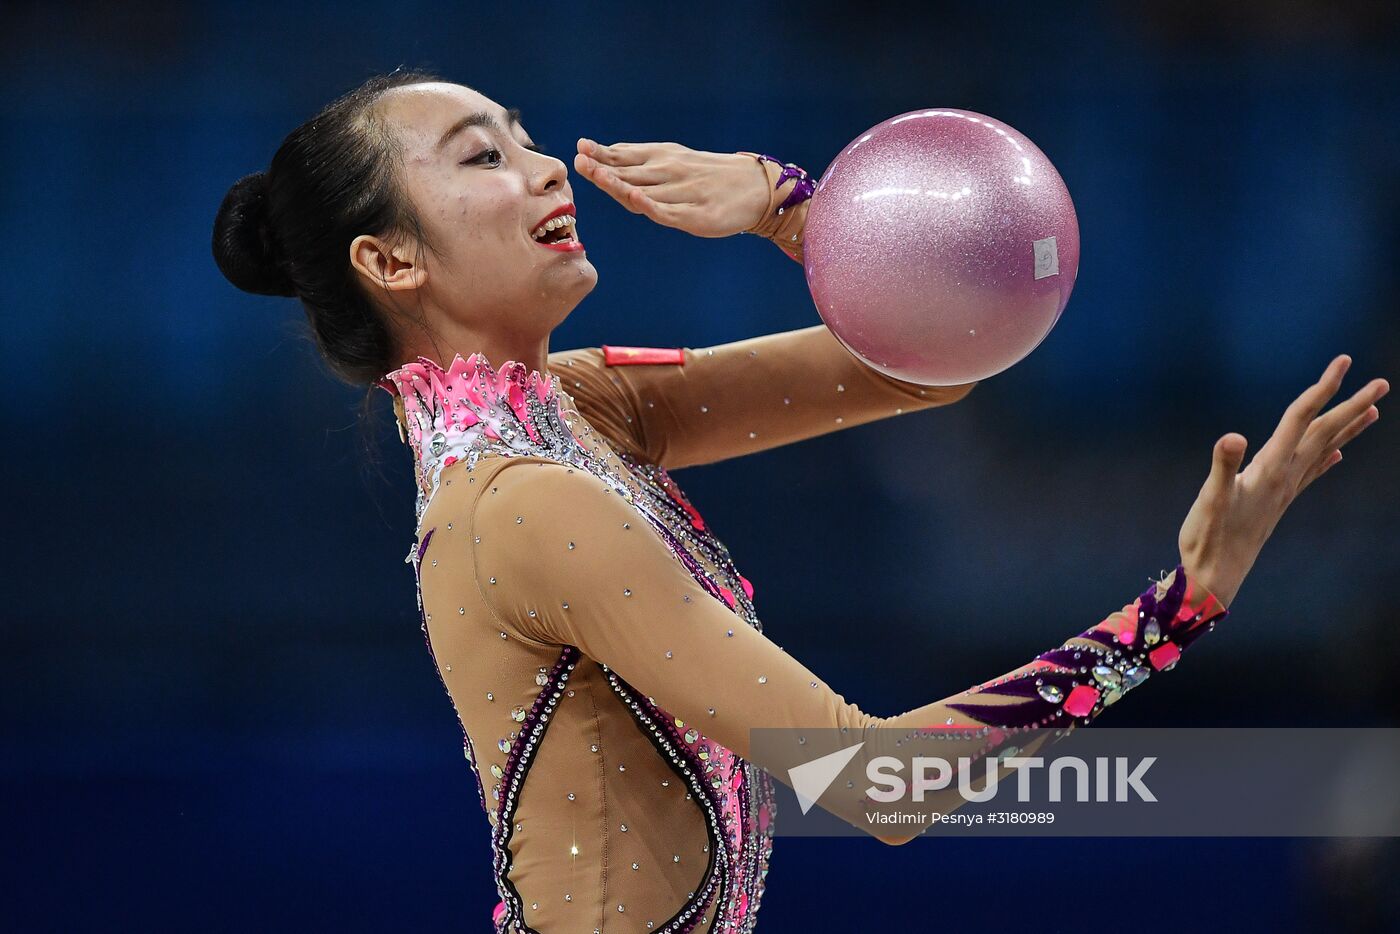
{"type": "Point", "coordinates": [488, 209]}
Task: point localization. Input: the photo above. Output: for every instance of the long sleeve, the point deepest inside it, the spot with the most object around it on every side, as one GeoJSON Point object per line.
{"type": "Point", "coordinates": [737, 398]}
{"type": "Point", "coordinates": [784, 226]}
{"type": "Point", "coordinates": [682, 406]}
{"type": "Point", "coordinates": [561, 558]}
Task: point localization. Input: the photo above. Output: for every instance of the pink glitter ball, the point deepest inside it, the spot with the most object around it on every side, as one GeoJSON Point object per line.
{"type": "Point", "coordinates": [941, 246]}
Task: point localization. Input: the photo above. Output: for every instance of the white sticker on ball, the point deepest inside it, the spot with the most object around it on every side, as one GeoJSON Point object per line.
{"type": "Point", "coordinates": [1047, 258]}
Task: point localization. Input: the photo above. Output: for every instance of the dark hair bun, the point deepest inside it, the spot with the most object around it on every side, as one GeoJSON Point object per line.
{"type": "Point", "coordinates": [242, 247]}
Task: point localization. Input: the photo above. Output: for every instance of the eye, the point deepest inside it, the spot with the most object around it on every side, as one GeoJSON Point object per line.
{"type": "Point", "coordinates": [483, 156]}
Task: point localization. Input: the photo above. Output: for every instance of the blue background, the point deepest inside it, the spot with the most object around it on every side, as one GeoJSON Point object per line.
{"type": "Point", "coordinates": [218, 710]}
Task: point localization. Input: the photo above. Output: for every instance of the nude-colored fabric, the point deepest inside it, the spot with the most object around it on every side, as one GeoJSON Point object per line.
{"type": "Point", "coordinates": [784, 229]}
{"type": "Point", "coordinates": [784, 388]}
{"type": "Point", "coordinates": [525, 555]}
{"type": "Point", "coordinates": [738, 398]}
{"type": "Point", "coordinates": [515, 540]}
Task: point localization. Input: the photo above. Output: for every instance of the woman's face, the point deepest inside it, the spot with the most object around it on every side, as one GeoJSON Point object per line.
{"type": "Point", "coordinates": [480, 190]}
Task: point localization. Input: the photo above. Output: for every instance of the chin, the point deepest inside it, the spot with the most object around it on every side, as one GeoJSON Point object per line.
{"type": "Point", "coordinates": [587, 275]}
{"type": "Point", "coordinates": [580, 282]}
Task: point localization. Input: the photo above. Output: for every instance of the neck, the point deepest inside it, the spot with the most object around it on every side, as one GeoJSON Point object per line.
{"type": "Point", "coordinates": [496, 346]}
{"type": "Point", "coordinates": [469, 406]}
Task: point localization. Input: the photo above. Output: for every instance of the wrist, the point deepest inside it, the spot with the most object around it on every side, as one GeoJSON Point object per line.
{"type": "Point", "coordinates": [1205, 578]}
{"type": "Point", "coordinates": [1076, 682]}
{"type": "Point", "coordinates": [790, 189]}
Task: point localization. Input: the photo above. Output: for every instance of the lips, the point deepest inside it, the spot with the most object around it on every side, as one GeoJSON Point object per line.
{"type": "Point", "coordinates": [563, 246]}
{"type": "Point", "coordinates": [570, 243]}
{"type": "Point", "coordinates": [565, 208]}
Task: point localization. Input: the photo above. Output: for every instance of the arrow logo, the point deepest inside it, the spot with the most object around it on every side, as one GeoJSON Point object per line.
{"type": "Point", "coordinates": [813, 778]}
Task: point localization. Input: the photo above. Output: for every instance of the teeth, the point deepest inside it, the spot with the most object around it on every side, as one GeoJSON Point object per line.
{"type": "Point", "coordinates": [562, 220]}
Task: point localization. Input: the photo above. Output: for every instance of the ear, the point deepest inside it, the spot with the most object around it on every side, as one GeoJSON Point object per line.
{"type": "Point", "coordinates": [384, 266]}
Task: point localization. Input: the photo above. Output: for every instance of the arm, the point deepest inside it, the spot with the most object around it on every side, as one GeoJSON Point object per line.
{"type": "Point", "coordinates": [689, 406]}
{"type": "Point", "coordinates": [785, 218]}
{"type": "Point", "coordinates": [741, 397]}
{"type": "Point", "coordinates": [564, 560]}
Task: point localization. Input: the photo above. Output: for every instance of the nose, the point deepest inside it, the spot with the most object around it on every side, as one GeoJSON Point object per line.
{"type": "Point", "coordinates": [552, 173]}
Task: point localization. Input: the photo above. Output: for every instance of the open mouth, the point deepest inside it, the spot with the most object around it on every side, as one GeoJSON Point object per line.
{"type": "Point", "coordinates": [556, 231]}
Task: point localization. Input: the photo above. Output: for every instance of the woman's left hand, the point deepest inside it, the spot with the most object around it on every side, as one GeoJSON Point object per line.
{"type": "Point", "coordinates": [708, 194]}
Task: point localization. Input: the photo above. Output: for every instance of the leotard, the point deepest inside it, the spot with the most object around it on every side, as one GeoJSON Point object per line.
{"type": "Point", "coordinates": [602, 649]}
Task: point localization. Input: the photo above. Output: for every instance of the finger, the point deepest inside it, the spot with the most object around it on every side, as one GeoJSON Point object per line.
{"type": "Point", "coordinates": [617, 153]}
{"type": "Point", "coordinates": [682, 192]}
{"type": "Point", "coordinates": [1278, 451]}
{"type": "Point", "coordinates": [653, 172]}
{"type": "Point", "coordinates": [1326, 461]}
{"type": "Point", "coordinates": [1358, 424]}
{"type": "Point", "coordinates": [1320, 468]}
{"type": "Point", "coordinates": [636, 200]}
{"type": "Point", "coordinates": [606, 179]}
{"type": "Point", "coordinates": [1321, 435]}
{"type": "Point", "coordinates": [1225, 463]}
{"type": "Point", "coordinates": [658, 211]}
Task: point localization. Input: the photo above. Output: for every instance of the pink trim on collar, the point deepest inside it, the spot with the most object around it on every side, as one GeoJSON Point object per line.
{"type": "Point", "coordinates": [427, 388]}
{"type": "Point", "coordinates": [469, 408]}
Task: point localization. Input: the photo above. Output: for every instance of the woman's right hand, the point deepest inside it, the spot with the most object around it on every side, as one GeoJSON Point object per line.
{"type": "Point", "coordinates": [1236, 512]}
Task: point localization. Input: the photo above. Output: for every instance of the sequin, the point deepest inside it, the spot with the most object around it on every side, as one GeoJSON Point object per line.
{"type": "Point", "coordinates": [1107, 676]}
{"type": "Point", "coordinates": [724, 786]}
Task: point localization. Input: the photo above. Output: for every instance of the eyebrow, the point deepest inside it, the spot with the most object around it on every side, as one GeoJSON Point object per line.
{"type": "Point", "coordinates": [480, 118]}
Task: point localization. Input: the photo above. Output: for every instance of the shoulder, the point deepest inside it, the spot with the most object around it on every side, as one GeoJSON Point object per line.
{"type": "Point", "coordinates": [466, 489]}
{"type": "Point", "coordinates": [601, 395]}
{"type": "Point", "coordinates": [510, 512]}
{"type": "Point", "coordinates": [540, 482]}
{"type": "Point", "coordinates": [498, 491]}
{"type": "Point", "coordinates": [544, 528]}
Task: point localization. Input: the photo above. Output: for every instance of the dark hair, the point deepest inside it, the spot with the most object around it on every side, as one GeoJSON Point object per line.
{"type": "Point", "coordinates": [287, 231]}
